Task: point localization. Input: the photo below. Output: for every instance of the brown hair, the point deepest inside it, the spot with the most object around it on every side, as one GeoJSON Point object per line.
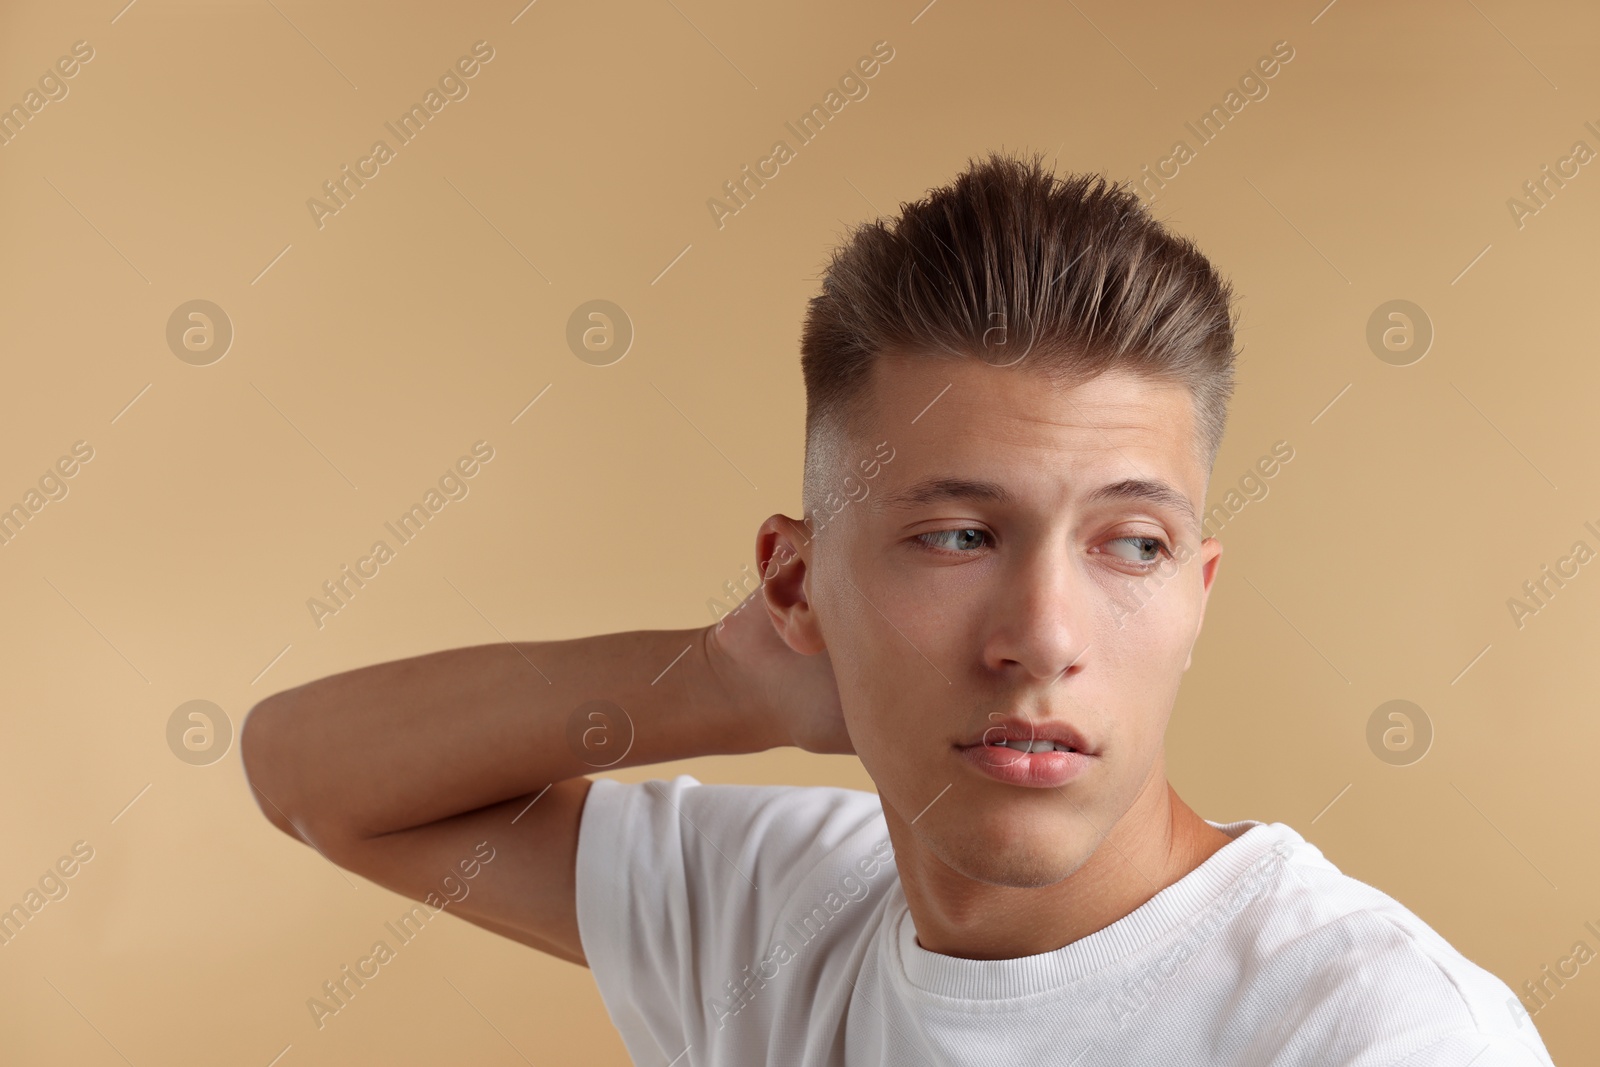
{"type": "Point", "coordinates": [1011, 264]}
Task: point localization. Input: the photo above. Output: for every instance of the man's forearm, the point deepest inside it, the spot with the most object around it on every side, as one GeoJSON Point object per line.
{"type": "Point", "coordinates": [400, 744]}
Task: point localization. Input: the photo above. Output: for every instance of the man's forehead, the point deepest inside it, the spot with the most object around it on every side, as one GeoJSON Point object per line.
{"type": "Point", "coordinates": [999, 435]}
{"type": "Point", "coordinates": [967, 404]}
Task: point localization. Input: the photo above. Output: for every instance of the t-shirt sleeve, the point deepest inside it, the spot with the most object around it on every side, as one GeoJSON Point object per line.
{"type": "Point", "coordinates": [680, 885]}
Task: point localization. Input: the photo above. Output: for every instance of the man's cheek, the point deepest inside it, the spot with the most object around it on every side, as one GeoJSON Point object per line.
{"type": "Point", "coordinates": [1142, 635]}
{"type": "Point", "coordinates": [870, 689]}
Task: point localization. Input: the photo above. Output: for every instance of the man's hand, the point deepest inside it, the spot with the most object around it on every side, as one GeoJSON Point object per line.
{"type": "Point", "coordinates": [794, 696]}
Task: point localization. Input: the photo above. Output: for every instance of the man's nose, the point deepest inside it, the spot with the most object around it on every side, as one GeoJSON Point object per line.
{"type": "Point", "coordinates": [1040, 623]}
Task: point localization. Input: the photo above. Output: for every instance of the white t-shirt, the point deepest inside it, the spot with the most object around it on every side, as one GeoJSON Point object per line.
{"type": "Point", "coordinates": [740, 925]}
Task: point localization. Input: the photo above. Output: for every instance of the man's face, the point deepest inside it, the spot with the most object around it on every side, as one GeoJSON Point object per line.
{"type": "Point", "coordinates": [946, 613]}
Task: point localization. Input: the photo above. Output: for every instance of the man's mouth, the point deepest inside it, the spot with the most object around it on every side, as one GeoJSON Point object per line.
{"type": "Point", "coordinates": [1028, 735]}
{"type": "Point", "coordinates": [1031, 761]}
{"type": "Point", "coordinates": [1032, 746]}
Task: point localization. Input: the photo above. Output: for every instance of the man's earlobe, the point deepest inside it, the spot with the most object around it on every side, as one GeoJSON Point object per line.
{"type": "Point", "coordinates": [781, 555]}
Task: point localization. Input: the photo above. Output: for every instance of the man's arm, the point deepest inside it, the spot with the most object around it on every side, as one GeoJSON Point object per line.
{"type": "Point", "coordinates": [398, 771]}
{"type": "Point", "coordinates": [411, 772]}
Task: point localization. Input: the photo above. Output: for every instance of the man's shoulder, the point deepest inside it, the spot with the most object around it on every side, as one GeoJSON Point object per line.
{"type": "Point", "coordinates": [1339, 948]}
{"type": "Point", "coordinates": [770, 828]}
{"type": "Point", "coordinates": [738, 801]}
{"type": "Point", "coordinates": [1351, 919]}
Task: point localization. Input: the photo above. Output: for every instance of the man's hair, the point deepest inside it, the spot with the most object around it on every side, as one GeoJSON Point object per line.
{"type": "Point", "coordinates": [1070, 276]}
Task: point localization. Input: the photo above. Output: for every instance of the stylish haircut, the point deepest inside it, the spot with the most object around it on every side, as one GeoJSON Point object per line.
{"type": "Point", "coordinates": [1069, 276]}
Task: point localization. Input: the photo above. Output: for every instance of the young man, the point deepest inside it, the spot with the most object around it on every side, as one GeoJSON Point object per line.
{"type": "Point", "coordinates": [1015, 393]}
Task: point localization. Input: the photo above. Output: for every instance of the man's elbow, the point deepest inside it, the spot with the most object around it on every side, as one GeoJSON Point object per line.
{"type": "Point", "coordinates": [263, 761]}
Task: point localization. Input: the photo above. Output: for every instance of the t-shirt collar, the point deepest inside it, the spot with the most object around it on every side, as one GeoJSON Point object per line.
{"type": "Point", "coordinates": [1172, 908]}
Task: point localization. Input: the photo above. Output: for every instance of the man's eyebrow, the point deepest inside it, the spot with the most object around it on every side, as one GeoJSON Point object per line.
{"type": "Point", "coordinates": [935, 489]}
{"type": "Point", "coordinates": [1160, 494]}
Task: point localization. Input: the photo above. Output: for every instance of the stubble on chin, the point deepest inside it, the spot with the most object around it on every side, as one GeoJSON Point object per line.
{"type": "Point", "coordinates": [1035, 856]}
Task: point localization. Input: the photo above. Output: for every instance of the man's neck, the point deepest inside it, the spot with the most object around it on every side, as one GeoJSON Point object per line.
{"type": "Point", "coordinates": [1157, 842]}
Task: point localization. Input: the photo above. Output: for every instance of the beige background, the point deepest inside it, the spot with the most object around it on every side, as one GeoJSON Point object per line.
{"type": "Point", "coordinates": [429, 312]}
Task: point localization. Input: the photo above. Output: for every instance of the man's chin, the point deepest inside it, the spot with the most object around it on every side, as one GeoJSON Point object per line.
{"type": "Point", "coordinates": [1017, 854]}
{"type": "Point", "coordinates": [1016, 868]}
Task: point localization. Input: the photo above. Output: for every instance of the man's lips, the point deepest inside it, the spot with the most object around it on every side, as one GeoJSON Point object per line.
{"type": "Point", "coordinates": [1050, 769]}
{"type": "Point", "coordinates": [1024, 735]}
{"type": "Point", "coordinates": [1041, 753]}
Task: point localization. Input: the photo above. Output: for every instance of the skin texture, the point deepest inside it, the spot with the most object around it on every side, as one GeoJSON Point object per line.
{"type": "Point", "coordinates": [1045, 611]}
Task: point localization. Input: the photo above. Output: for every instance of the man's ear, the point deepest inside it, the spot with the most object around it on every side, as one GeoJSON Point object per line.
{"type": "Point", "coordinates": [783, 553]}
{"type": "Point", "coordinates": [1210, 560]}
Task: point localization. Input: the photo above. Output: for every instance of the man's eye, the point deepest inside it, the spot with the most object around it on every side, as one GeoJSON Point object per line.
{"type": "Point", "coordinates": [953, 540]}
{"type": "Point", "coordinates": [1146, 544]}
